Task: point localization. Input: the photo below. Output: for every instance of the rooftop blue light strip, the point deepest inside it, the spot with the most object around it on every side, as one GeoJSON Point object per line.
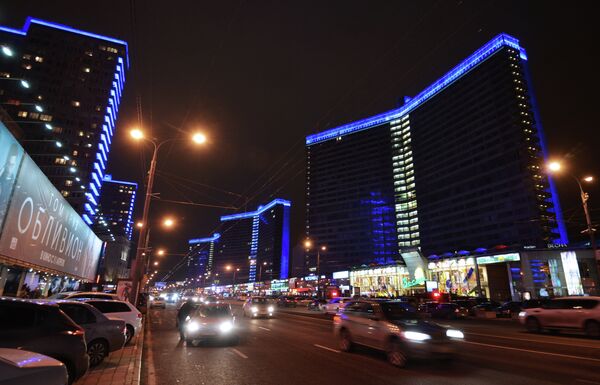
{"type": "Point", "coordinates": [94, 191]}
{"type": "Point", "coordinates": [91, 198]}
{"type": "Point", "coordinates": [100, 170]}
{"type": "Point", "coordinates": [87, 219]}
{"type": "Point", "coordinates": [99, 157]}
{"type": "Point", "coordinates": [260, 210]}
{"type": "Point", "coordinates": [106, 179]}
{"type": "Point", "coordinates": [62, 27]}
{"type": "Point", "coordinates": [102, 151]}
{"type": "Point", "coordinates": [481, 54]}
{"type": "Point", "coordinates": [204, 240]}
{"type": "Point", "coordinates": [96, 179]}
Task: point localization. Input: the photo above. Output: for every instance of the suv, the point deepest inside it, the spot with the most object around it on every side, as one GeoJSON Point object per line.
{"type": "Point", "coordinates": [120, 310]}
{"type": "Point", "coordinates": [574, 313]}
{"type": "Point", "coordinates": [43, 328]}
{"type": "Point", "coordinates": [394, 327]}
{"type": "Point", "coordinates": [334, 305]}
{"type": "Point", "coordinates": [102, 335]}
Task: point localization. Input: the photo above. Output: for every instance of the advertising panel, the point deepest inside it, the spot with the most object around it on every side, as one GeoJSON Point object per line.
{"type": "Point", "coordinates": [124, 289]}
{"type": "Point", "coordinates": [11, 154]}
{"type": "Point", "coordinates": [41, 228]}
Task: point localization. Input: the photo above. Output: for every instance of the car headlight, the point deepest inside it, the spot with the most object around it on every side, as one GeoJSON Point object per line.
{"type": "Point", "coordinates": [226, 326]}
{"type": "Point", "coordinates": [522, 314]}
{"type": "Point", "coordinates": [195, 299]}
{"type": "Point", "coordinates": [453, 333]}
{"type": "Point", "coordinates": [416, 336]}
{"type": "Point", "coordinates": [192, 326]}
{"type": "Point", "coordinates": [271, 309]}
{"type": "Point", "coordinates": [254, 309]}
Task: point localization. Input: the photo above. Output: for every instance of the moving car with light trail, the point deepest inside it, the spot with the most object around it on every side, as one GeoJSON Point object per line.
{"type": "Point", "coordinates": [258, 307]}
{"type": "Point", "coordinates": [394, 327]}
{"type": "Point", "coordinates": [568, 313]}
{"type": "Point", "coordinates": [210, 322]}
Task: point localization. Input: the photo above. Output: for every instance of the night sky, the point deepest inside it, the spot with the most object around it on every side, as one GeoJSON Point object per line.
{"type": "Point", "coordinates": [258, 76]}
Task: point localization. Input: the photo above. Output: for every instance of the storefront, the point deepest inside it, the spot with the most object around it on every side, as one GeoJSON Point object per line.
{"type": "Point", "coordinates": [386, 281]}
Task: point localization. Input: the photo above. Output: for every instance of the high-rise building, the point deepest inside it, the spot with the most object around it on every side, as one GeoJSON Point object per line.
{"type": "Point", "coordinates": [201, 257]}
{"type": "Point", "coordinates": [255, 245]}
{"type": "Point", "coordinates": [458, 167]}
{"type": "Point", "coordinates": [114, 225]}
{"type": "Point", "coordinates": [63, 87]}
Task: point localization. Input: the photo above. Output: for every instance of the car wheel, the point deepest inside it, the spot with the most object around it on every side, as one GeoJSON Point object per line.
{"type": "Point", "coordinates": [345, 341]}
{"type": "Point", "coordinates": [592, 329]}
{"type": "Point", "coordinates": [97, 350]}
{"type": "Point", "coordinates": [129, 334]}
{"type": "Point", "coordinates": [395, 354]}
{"type": "Point", "coordinates": [533, 325]}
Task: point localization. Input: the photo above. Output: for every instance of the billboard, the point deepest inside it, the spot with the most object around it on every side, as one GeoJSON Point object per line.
{"type": "Point", "coordinates": [40, 227]}
{"type": "Point", "coordinates": [11, 154]}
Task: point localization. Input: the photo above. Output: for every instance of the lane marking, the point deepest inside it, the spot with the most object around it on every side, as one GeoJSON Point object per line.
{"type": "Point", "coordinates": [586, 381]}
{"type": "Point", "coordinates": [260, 327]}
{"type": "Point", "coordinates": [530, 340]}
{"type": "Point", "coordinates": [150, 368]}
{"type": "Point", "coordinates": [326, 348]}
{"type": "Point", "coordinates": [533, 351]}
{"type": "Point", "coordinates": [239, 353]}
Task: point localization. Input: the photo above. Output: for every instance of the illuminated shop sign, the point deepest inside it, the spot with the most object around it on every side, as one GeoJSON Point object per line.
{"type": "Point", "coordinates": [341, 274]}
{"type": "Point", "coordinates": [498, 258]}
{"type": "Point", "coordinates": [407, 283]}
{"type": "Point", "coordinates": [381, 271]}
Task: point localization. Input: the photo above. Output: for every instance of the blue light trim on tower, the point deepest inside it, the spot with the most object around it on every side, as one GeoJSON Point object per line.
{"type": "Point", "coordinates": [109, 178]}
{"type": "Point", "coordinates": [195, 241]}
{"type": "Point", "coordinates": [253, 248]}
{"type": "Point", "coordinates": [454, 74]}
{"type": "Point", "coordinates": [87, 219]}
{"type": "Point", "coordinates": [62, 27]}
{"type": "Point", "coordinates": [261, 209]}
{"type": "Point", "coordinates": [285, 246]}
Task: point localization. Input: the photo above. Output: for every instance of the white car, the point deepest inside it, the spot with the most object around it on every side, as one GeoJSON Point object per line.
{"type": "Point", "coordinates": [567, 313]}
{"type": "Point", "coordinates": [120, 310]}
{"type": "Point", "coordinates": [84, 294]}
{"type": "Point", "coordinates": [20, 367]}
{"type": "Point", "coordinates": [333, 305]}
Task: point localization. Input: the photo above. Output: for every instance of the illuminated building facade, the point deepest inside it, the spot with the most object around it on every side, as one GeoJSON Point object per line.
{"type": "Point", "coordinates": [63, 87]}
{"type": "Point", "coordinates": [457, 167]}
{"type": "Point", "coordinates": [256, 242]}
{"type": "Point", "coordinates": [200, 260]}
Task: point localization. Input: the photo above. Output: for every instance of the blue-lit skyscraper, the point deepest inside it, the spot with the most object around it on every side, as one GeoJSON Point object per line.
{"type": "Point", "coordinates": [457, 167]}
{"type": "Point", "coordinates": [67, 105]}
{"type": "Point", "coordinates": [256, 242]}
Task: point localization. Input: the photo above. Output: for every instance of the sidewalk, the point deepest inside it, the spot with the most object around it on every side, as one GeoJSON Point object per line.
{"type": "Point", "coordinates": [122, 367]}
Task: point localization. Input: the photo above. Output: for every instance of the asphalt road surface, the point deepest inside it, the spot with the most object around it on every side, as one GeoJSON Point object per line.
{"type": "Point", "coordinates": [297, 349]}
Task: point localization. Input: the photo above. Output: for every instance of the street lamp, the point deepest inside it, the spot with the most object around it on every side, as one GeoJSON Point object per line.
{"type": "Point", "coordinates": [554, 167]}
{"type": "Point", "coordinates": [7, 51]}
{"type": "Point", "coordinates": [308, 244]}
{"type": "Point", "coordinates": [168, 222]}
{"type": "Point", "coordinates": [138, 135]}
{"type": "Point", "coordinates": [260, 271]}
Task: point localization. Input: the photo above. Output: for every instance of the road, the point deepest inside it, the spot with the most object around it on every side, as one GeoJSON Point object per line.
{"type": "Point", "coordinates": [296, 349]}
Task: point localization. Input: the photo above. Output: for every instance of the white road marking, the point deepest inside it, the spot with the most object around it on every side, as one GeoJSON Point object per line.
{"type": "Point", "coordinates": [586, 381]}
{"type": "Point", "coordinates": [239, 353]}
{"type": "Point", "coordinates": [530, 340]}
{"type": "Point", "coordinates": [533, 351]}
{"type": "Point", "coordinates": [326, 348]}
{"type": "Point", "coordinates": [260, 327]}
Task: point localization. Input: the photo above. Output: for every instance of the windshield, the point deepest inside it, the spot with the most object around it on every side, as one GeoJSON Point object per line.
{"type": "Point", "coordinates": [59, 296]}
{"type": "Point", "coordinates": [259, 300]}
{"type": "Point", "coordinates": [399, 311]}
{"type": "Point", "coordinates": [214, 311]}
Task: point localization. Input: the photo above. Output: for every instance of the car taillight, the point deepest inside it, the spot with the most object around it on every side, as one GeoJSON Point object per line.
{"type": "Point", "coordinates": [139, 315]}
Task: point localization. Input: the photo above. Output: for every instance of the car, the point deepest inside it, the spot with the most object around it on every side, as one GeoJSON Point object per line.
{"type": "Point", "coordinates": [567, 313]}
{"type": "Point", "coordinates": [210, 322]}
{"type": "Point", "coordinates": [44, 328]}
{"type": "Point", "coordinates": [485, 306]}
{"type": "Point", "coordinates": [286, 301]}
{"type": "Point", "coordinates": [316, 304]}
{"type": "Point", "coordinates": [158, 302]}
{"type": "Point", "coordinates": [258, 307]}
{"type": "Point", "coordinates": [449, 311]}
{"type": "Point", "coordinates": [427, 307]}
{"type": "Point", "coordinates": [333, 305]}
{"type": "Point", "coordinates": [21, 367]}
{"type": "Point", "coordinates": [84, 294]}
{"type": "Point", "coordinates": [395, 328]}
{"type": "Point", "coordinates": [304, 300]}
{"type": "Point", "coordinates": [509, 309]}
{"type": "Point", "coordinates": [102, 335]}
{"type": "Point", "coordinates": [183, 312]}
{"type": "Point", "coordinates": [121, 310]}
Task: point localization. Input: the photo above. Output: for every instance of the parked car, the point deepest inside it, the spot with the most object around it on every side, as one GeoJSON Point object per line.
{"type": "Point", "coordinates": [568, 313]}
{"type": "Point", "coordinates": [84, 294]}
{"type": "Point", "coordinates": [21, 367]}
{"type": "Point", "coordinates": [210, 322]}
{"type": "Point", "coordinates": [102, 335]}
{"type": "Point", "coordinates": [304, 300]}
{"type": "Point", "coordinates": [258, 307]}
{"type": "Point", "coordinates": [449, 311]}
{"type": "Point", "coordinates": [333, 305]}
{"type": "Point", "coordinates": [43, 328]}
{"type": "Point", "coordinates": [286, 301]}
{"type": "Point", "coordinates": [394, 327]}
{"type": "Point", "coordinates": [120, 310]}
{"type": "Point", "coordinates": [486, 306]}
{"type": "Point", "coordinates": [427, 307]}
{"type": "Point", "coordinates": [316, 304]}
{"type": "Point", "coordinates": [509, 309]}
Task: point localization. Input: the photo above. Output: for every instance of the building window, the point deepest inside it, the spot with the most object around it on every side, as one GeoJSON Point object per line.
{"type": "Point", "coordinates": [46, 118]}
{"type": "Point", "coordinates": [75, 103]}
{"type": "Point", "coordinates": [75, 152]}
{"type": "Point", "coordinates": [64, 193]}
{"type": "Point", "coordinates": [86, 69]}
{"type": "Point", "coordinates": [68, 182]}
{"type": "Point", "coordinates": [39, 59]}
{"type": "Point", "coordinates": [60, 161]}
{"type": "Point", "coordinates": [22, 114]}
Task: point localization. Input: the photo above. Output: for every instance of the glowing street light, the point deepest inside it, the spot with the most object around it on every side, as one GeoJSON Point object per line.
{"type": "Point", "coordinates": [588, 179]}
{"type": "Point", "coordinates": [136, 134]}
{"type": "Point", "coordinates": [139, 225]}
{"type": "Point", "coordinates": [161, 252]}
{"type": "Point", "coordinates": [554, 166]}
{"type": "Point", "coordinates": [199, 138]}
{"type": "Point", "coordinates": [168, 222]}
{"type": "Point", "coordinates": [155, 263]}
